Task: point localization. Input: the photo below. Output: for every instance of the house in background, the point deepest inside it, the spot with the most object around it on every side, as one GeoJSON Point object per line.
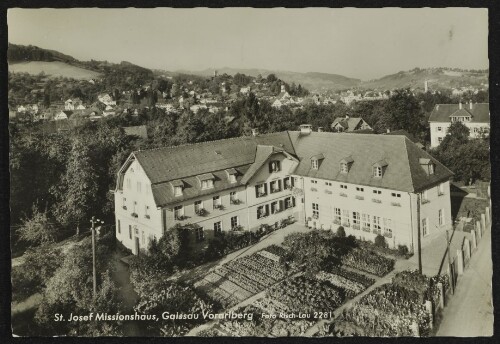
{"type": "Point", "coordinates": [65, 114]}
{"type": "Point", "coordinates": [475, 116]}
{"type": "Point", "coordinates": [349, 124]}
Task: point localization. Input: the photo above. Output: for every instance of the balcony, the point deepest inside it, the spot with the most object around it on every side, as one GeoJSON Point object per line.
{"type": "Point", "coordinates": [396, 204]}
{"type": "Point", "coordinates": [375, 200]}
{"type": "Point", "coordinates": [342, 194]}
{"type": "Point", "coordinates": [359, 197]}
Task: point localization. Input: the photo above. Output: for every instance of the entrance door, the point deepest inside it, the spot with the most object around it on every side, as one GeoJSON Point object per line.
{"type": "Point", "coordinates": [137, 248]}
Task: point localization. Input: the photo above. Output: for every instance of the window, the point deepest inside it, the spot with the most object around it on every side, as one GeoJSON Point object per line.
{"type": "Point", "coordinates": [130, 231]}
{"type": "Point", "coordinates": [314, 181]}
{"type": "Point", "coordinates": [275, 186]}
{"type": "Point", "coordinates": [276, 207]}
{"type": "Point", "coordinates": [274, 166]}
{"type": "Point", "coordinates": [124, 203]}
{"type": "Point", "coordinates": [394, 194]}
{"type": "Point", "coordinates": [289, 202]}
{"type": "Point", "coordinates": [440, 139]}
{"type": "Point", "coordinates": [261, 190]}
{"type": "Point", "coordinates": [234, 222]}
{"type": "Point", "coordinates": [355, 218]}
{"type": "Point", "coordinates": [431, 168]}
{"type": "Point", "coordinates": [439, 129]}
{"type": "Point", "coordinates": [143, 238]}
{"type": "Point", "coordinates": [425, 197]}
{"type": "Point", "coordinates": [343, 167]}
{"type": "Point", "coordinates": [377, 171]}
{"type": "Point", "coordinates": [441, 189]}
{"type": "Point", "coordinates": [376, 223]}
{"type": "Point", "coordinates": [378, 192]}
{"type": "Point", "coordinates": [199, 234]}
{"type": "Point", "coordinates": [233, 197]}
{"type": "Point", "coordinates": [217, 228]}
{"type": "Point", "coordinates": [138, 186]}
{"type": "Point", "coordinates": [262, 211]}
{"type": "Point", "coordinates": [198, 205]}
{"type": "Point", "coordinates": [336, 216]}
{"type": "Point", "coordinates": [388, 227]}
{"type": "Point", "coordinates": [314, 164]}
{"type": "Point", "coordinates": [360, 189]}
{"type": "Point", "coordinates": [328, 183]}
{"type": "Point", "coordinates": [365, 220]}
{"type": "Point", "coordinates": [135, 203]}
{"type": "Point", "coordinates": [118, 227]}
{"type": "Point", "coordinates": [342, 186]}
{"type": "Point", "coordinates": [178, 212]}
{"type": "Point", "coordinates": [207, 184]}
{"type": "Point", "coordinates": [146, 211]}
{"type": "Point", "coordinates": [288, 183]}
{"type": "Point", "coordinates": [425, 229]}
{"type": "Point", "coordinates": [177, 190]}
{"type": "Point", "coordinates": [315, 207]}
{"type": "Point", "coordinates": [346, 221]}
{"type": "Point", "coordinates": [232, 178]}
{"type": "Point", "coordinates": [217, 202]}
{"type": "Point", "coordinates": [441, 217]}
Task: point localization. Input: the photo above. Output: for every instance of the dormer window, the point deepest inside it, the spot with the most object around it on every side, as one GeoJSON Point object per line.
{"type": "Point", "coordinates": [274, 166]}
{"type": "Point", "coordinates": [231, 175]}
{"type": "Point", "coordinates": [428, 165]}
{"type": "Point", "coordinates": [345, 165]}
{"type": "Point", "coordinates": [178, 186]}
{"type": "Point", "coordinates": [378, 168]}
{"type": "Point", "coordinates": [207, 181]}
{"type": "Point", "coordinates": [316, 161]}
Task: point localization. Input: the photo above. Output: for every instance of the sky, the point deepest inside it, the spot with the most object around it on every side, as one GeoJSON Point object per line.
{"type": "Point", "coordinates": [359, 43]}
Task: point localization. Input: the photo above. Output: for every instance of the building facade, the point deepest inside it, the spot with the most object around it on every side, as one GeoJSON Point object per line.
{"type": "Point", "coordinates": [476, 117]}
{"type": "Point", "coordinates": [368, 184]}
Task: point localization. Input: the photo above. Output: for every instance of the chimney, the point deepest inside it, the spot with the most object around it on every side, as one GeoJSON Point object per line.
{"type": "Point", "coordinates": [460, 105]}
{"type": "Point", "coordinates": [255, 131]}
{"type": "Point", "coordinates": [320, 129]}
{"type": "Point", "coordinates": [305, 129]}
{"type": "Point", "coordinates": [470, 104]}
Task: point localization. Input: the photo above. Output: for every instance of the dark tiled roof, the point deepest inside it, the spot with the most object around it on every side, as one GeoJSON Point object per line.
{"type": "Point", "coordinates": [246, 155]}
{"type": "Point", "coordinates": [403, 171]}
{"type": "Point", "coordinates": [480, 112]}
{"type": "Point", "coordinates": [349, 124]}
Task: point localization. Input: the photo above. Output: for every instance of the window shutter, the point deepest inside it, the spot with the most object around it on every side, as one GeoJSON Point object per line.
{"type": "Point", "coordinates": [282, 205]}
{"type": "Point", "coordinates": [271, 167]}
{"type": "Point", "coordinates": [265, 188]}
{"type": "Point", "coordinates": [256, 191]}
{"type": "Point", "coordinates": [292, 181]}
{"type": "Point", "coordinates": [293, 201]}
{"type": "Point", "coordinates": [279, 184]}
{"type": "Point", "coordinates": [267, 208]}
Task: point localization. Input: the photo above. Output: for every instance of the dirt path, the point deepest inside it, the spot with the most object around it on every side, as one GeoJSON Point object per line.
{"type": "Point", "coordinates": [127, 295]}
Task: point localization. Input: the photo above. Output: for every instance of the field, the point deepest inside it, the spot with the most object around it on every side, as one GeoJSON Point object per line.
{"type": "Point", "coordinates": [54, 69]}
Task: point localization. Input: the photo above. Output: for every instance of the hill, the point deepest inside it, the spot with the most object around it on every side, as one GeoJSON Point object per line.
{"type": "Point", "coordinates": [438, 78]}
{"type": "Point", "coordinates": [312, 80]}
{"type": "Point", "coordinates": [54, 69]}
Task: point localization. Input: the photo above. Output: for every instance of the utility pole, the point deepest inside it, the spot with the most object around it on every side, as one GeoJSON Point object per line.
{"type": "Point", "coordinates": [419, 246]}
{"type": "Point", "coordinates": [94, 271]}
{"type": "Point", "coordinates": [452, 282]}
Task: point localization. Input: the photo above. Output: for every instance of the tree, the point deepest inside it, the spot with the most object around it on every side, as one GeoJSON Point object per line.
{"type": "Point", "coordinates": [271, 78]}
{"type": "Point", "coordinates": [78, 189]}
{"type": "Point", "coordinates": [38, 229]}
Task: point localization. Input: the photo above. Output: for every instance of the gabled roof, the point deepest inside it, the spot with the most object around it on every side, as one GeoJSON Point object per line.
{"type": "Point", "coordinates": [480, 112]}
{"type": "Point", "coordinates": [403, 171]}
{"type": "Point", "coordinates": [349, 124]}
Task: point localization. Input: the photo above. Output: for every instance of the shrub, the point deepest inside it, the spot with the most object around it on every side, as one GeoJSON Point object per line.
{"type": "Point", "coordinates": [380, 241]}
{"type": "Point", "coordinates": [341, 232]}
{"type": "Point", "coordinates": [216, 248]}
{"type": "Point", "coordinates": [403, 250]}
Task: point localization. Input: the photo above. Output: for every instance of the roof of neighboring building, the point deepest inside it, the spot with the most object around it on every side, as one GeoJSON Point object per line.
{"type": "Point", "coordinates": [480, 112]}
{"type": "Point", "coordinates": [246, 155]}
{"type": "Point", "coordinates": [349, 124]}
{"type": "Point", "coordinates": [138, 130]}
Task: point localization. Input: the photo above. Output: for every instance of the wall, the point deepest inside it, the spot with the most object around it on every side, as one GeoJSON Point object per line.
{"type": "Point", "coordinates": [435, 135]}
{"type": "Point", "coordinates": [430, 210]}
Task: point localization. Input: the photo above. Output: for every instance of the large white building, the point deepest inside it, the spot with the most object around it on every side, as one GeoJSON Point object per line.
{"type": "Point", "coordinates": [476, 117]}
{"type": "Point", "coordinates": [369, 184]}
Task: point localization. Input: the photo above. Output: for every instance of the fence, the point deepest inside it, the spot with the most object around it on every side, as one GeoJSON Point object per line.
{"type": "Point", "coordinates": [459, 262]}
